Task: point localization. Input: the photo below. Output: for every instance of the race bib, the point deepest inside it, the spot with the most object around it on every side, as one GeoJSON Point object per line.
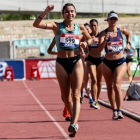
{"type": "Point", "coordinates": [69, 41]}
{"type": "Point", "coordinates": [129, 54]}
{"type": "Point", "coordinates": [94, 44]}
{"type": "Point", "coordinates": [114, 47]}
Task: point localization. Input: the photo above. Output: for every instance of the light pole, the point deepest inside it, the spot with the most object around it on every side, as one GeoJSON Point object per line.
{"type": "Point", "coordinates": [103, 7]}
{"type": "Point", "coordinates": [48, 15]}
{"type": "Point", "coordinates": [61, 8]}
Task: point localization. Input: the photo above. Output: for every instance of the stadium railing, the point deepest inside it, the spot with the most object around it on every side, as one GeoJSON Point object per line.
{"type": "Point", "coordinates": [43, 44]}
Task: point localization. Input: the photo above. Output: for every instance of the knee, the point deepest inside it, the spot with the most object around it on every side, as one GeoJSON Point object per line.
{"type": "Point", "coordinates": [76, 95]}
{"type": "Point", "coordinates": [99, 83]}
{"type": "Point", "coordinates": [94, 81]}
{"type": "Point", "coordinates": [110, 88]}
{"type": "Point", "coordinates": [117, 87]}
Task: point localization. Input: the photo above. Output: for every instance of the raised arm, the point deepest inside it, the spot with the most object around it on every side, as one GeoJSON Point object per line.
{"type": "Point", "coordinates": [50, 51]}
{"type": "Point", "coordinates": [49, 25]}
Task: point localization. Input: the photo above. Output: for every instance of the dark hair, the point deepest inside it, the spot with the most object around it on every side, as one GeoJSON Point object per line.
{"type": "Point", "coordinates": [66, 5]}
{"type": "Point", "coordinates": [93, 20]}
{"type": "Point", "coordinates": [86, 24]}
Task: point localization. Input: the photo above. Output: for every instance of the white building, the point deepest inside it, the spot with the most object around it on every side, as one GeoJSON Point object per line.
{"type": "Point", "coordinates": [82, 6]}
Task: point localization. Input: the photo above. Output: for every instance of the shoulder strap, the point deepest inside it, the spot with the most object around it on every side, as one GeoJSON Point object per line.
{"type": "Point", "coordinates": [106, 30]}
{"type": "Point", "coordinates": [77, 27]}
{"type": "Point", "coordinates": [119, 33]}
{"type": "Point", "coordinates": [61, 24]}
{"type": "Point", "coordinates": [98, 35]}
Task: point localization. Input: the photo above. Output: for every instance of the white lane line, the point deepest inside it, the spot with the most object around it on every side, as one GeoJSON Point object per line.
{"type": "Point", "coordinates": [47, 112]}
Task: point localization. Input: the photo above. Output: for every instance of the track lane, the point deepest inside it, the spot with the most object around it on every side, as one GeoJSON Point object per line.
{"type": "Point", "coordinates": [22, 117]}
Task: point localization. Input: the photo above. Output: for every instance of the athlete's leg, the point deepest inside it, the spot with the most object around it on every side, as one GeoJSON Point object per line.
{"type": "Point", "coordinates": [76, 82]}
{"type": "Point", "coordinates": [82, 88]}
{"type": "Point", "coordinates": [86, 79]}
{"type": "Point", "coordinates": [129, 71]}
{"type": "Point", "coordinates": [119, 74]}
{"type": "Point", "coordinates": [64, 83]}
{"type": "Point", "coordinates": [108, 75]}
{"type": "Point", "coordinates": [99, 79]}
{"type": "Point", "coordinates": [65, 111]}
{"type": "Point", "coordinates": [82, 92]}
{"type": "Point", "coordinates": [92, 71]}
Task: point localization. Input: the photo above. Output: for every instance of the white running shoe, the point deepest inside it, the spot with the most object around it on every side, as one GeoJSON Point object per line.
{"type": "Point", "coordinates": [120, 115]}
{"type": "Point", "coordinates": [115, 115]}
{"type": "Point", "coordinates": [95, 105]}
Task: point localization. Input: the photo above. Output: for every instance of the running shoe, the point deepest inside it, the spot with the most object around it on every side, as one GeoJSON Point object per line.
{"type": "Point", "coordinates": [95, 105]}
{"type": "Point", "coordinates": [68, 119]}
{"type": "Point", "coordinates": [81, 100]}
{"type": "Point", "coordinates": [73, 129]}
{"type": "Point", "coordinates": [120, 115]}
{"type": "Point", "coordinates": [90, 100]}
{"type": "Point", "coordinates": [115, 115]}
{"type": "Point", "coordinates": [66, 113]}
{"type": "Point", "coordinates": [85, 95]}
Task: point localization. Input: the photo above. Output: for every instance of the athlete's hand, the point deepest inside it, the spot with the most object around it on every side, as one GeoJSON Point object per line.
{"type": "Point", "coordinates": [82, 54]}
{"type": "Point", "coordinates": [106, 36]}
{"type": "Point", "coordinates": [83, 45]}
{"type": "Point", "coordinates": [95, 39]}
{"type": "Point", "coordinates": [49, 8]}
{"type": "Point", "coordinates": [128, 46]}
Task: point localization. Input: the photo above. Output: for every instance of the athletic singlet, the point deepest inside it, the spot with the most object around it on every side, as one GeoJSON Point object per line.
{"type": "Point", "coordinates": [114, 44]}
{"type": "Point", "coordinates": [94, 44]}
{"type": "Point", "coordinates": [68, 40]}
{"type": "Point", "coordinates": [130, 53]}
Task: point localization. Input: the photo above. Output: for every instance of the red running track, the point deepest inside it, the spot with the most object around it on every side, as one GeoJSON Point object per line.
{"type": "Point", "coordinates": [33, 110]}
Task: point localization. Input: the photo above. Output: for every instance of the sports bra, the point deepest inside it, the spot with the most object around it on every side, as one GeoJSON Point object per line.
{"type": "Point", "coordinates": [68, 40]}
{"type": "Point", "coordinates": [114, 44]}
{"type": "Point", "coordinates": [94, 44]}
{"type": "Point", "coordinates": [130, 53]}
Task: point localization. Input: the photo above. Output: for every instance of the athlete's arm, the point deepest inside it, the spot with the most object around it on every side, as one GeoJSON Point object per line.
{"type": "Point", "coordinates": [49, 25]}
{"type": "Point", "coordinates": [103, 37]}
{"type": "Point", "coordinates": [134, 51]}
{"type": "Point", "coordinates": [128, 36]}
{"type": "Point", "coordinates": [50, 51]}
{"type": "Point", "coordinates": [86, 36]}
{"type": "Point", "coordinates": [82, 39]}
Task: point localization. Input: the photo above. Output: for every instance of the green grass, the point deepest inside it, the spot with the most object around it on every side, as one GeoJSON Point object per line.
{"type": "Point", "coordinates": [20, 16]}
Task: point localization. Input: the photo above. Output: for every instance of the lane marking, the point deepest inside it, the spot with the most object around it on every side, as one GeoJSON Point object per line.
{"type": "Point", "coordinates": [47, 112]}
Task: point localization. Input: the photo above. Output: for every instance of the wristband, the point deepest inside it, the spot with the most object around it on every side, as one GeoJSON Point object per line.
{"type": "Point", "coordinates": [40, 17]}
{"type": "Point", "coordinates": [87, 42]}
{"type": "Point", "coordinates": [86, 52]}
{"type": "Point", "coordinates": [128, 42]}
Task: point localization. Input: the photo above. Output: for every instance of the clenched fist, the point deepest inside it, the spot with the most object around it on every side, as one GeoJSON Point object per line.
{"type": "Point", "coordinates": [106, 36]}
{"type": "Point", "coordinates": [49, 8]}
{"type": "Point", "coordinates": [83, 45]}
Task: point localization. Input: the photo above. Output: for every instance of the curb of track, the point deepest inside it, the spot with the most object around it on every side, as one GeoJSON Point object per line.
{"type": "Point", "coordinates": [125, 112]}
